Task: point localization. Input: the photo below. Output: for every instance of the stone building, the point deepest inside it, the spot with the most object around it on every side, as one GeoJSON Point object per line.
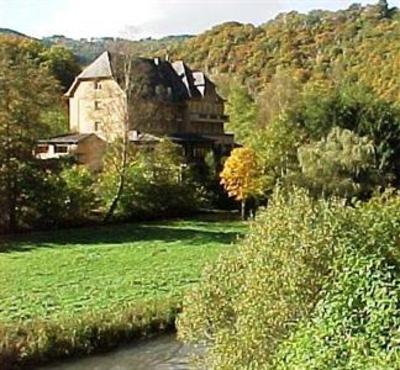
{"type": "Point", "coordinates": [148, 99]}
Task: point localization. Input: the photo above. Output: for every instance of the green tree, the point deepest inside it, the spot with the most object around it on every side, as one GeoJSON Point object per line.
{"type": "Point", "coordinates": [276, 146]}
{"type": "Point", "coordinates": [26, 91]}
{"type": "Point", "coordinates": [280, 94]}
{"type": "Point", "coordinates": [314, 285]}
{"type": "Point", "coordinates": [242, 112]}
{"type": "Point", "coordinates": [79, 194]}
{"type": "Point", "coordinates": [60, 61]}
{"type": "Point", "coordinates": [358, 109]}
{"type": "Point", "coordinates": [62, 64]}
{"type": "Point", "coordinates": [342, 164]}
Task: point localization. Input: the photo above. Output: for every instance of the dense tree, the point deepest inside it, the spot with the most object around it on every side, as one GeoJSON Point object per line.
{"type": "Point", "coordinates": [280, 94]}
{"type": "Point", "coordinates": [242, 112]}
{"type": "Point", "coordinates": [60, 61]}
{"type": "Point", "coordinates": [276, 146]}
{"type": "Point", "coordinates": [26, 91]}
{"type": "Point", "coordinates": [154, 183]}
{"type": "Point", "coordinates": [357, 109]}
{"type": "Point", "coordinates": [62, 64]}
{"type": "Point", "coordinates": [342, 164]}
{"type": "Point", "coordinates": [308, 46]}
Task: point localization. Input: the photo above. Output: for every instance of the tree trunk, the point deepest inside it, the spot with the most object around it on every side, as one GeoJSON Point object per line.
{"type": "Point", "coordinates": [11, 206]}
{"type": "Point", "coordinates": [116, 198]}
{"type": "Point", "coordinates": [121, 183]}
{"type": "Point", "coordinates": [243, 209]}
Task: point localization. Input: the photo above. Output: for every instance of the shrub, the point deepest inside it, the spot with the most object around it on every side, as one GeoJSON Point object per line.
{"type": "Point", "coordinates": [314, 286]}
{"type": "Point", "coordinates": [247, 301]}
{"type": "Point", "coordinates": [356, 323]}
{"type": "Point", "coordinates": [63, 197]}
{"type": "Point", "coordinates": [155, 186]}
{"type": "Point", "coordinates": [80, 199]}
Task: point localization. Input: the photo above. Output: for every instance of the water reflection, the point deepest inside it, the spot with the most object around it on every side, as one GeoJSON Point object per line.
{"type": "Point", "coordinates": [164, 353]}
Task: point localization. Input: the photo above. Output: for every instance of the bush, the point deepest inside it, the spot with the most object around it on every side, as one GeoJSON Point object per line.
{"type": "Point", "coordinates": [80, 199]}
{"type": "Point", "coordinates": [155, 186]}
{"type": "Point", "coordinates": [314, 286]}
{"type": "Point", "coordinates": [356, 323]}
{"type": "Point", "coordinates": [63, 197]}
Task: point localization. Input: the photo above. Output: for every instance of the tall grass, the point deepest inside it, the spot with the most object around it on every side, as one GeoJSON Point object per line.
{"type": "Point", "coordinates": [37, 342]}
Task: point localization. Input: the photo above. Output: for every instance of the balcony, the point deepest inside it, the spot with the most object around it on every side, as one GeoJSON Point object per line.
{"type": "Point", "coordinates": [205, 117]}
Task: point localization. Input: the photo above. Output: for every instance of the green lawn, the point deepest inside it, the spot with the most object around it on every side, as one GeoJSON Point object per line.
{"type": "Point", "coordinates": [57, 274]}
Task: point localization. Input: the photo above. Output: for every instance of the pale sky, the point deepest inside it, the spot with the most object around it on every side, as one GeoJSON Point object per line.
{"type": "Point", "coordinates": [145, 18]}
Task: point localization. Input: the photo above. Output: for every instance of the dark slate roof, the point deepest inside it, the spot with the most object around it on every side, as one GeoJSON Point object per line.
{"type": "Point", "coordinates": [145, 138]}
{"type": "Point", "coordinates": [186, 77]}
{"type": "Point", "coordinates": [66, 139]}
{"type": "Point", "coordinates": [158, 78]}
{"type": "Point", "coordinates": [189, 138]}
{"type": "Point", "coordinates": [100, 68]}
{"type": "Point", "coordinates": [200, 82]}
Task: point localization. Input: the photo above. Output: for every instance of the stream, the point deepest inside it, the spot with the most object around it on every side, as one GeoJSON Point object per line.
{"type": "Point", "coordinates": [162, 353]}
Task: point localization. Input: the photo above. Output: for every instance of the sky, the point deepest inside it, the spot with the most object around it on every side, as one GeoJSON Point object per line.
{"type": "Point", "coordinates": [145, 18]}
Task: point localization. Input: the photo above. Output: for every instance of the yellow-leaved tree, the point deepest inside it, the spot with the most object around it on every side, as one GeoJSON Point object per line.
{"type": "Point", "coordinates": [242, 176]}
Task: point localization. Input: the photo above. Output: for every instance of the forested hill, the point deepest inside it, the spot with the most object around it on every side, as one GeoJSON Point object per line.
{"type": "Point", "coordinates": [86, 50]}
{"type": "Point", "coordinates": [359, 42]}
{"type": "Point", "coordinates": [12, 33]}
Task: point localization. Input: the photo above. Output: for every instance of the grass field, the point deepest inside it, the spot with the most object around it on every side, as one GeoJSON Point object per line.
{"type": "Point", "coordinates": [72, 292]}
{"type": "Point", "coordinates": [71, 272]}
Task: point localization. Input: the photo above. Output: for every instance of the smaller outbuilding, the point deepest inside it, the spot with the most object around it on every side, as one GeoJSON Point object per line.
{"type": "Point", "coordinates": [86, 149]}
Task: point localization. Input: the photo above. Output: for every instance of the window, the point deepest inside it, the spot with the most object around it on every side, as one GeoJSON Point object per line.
{"type": "Point", "coordinates": [61, 149]}
{"type": "Point", "coordinates": [40, 149]}
{"type": "Point", "coordinates": [96, 105]}
{"type": "Point", "coordinates": [97, 85]}
{"type": "Point", "coordinates": [97, 126]}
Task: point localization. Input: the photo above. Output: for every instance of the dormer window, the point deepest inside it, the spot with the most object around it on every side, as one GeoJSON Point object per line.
{"type": "Point", "coordinates": [97, 85]}
{"type": "Point", "coordinates": [97, 105]}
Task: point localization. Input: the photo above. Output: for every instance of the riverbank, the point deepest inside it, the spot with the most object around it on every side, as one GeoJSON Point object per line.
{"type": "Point", "coordinates": [160, 353]}
{"type": "Point", "coordinates": [70, 293]}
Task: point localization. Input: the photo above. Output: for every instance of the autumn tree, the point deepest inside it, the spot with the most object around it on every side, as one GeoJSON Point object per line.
{"type": "Point", "coordinates": [26, 91]}
{"type": "Point", "coordinates": [242, 176]}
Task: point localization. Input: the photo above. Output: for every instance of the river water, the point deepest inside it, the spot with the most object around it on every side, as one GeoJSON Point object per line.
{"type": "Point", "coordinates": [163, 353]}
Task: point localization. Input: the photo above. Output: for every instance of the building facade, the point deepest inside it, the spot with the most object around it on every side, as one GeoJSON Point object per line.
{"type": "Point", "coordinates": [148, 99]}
